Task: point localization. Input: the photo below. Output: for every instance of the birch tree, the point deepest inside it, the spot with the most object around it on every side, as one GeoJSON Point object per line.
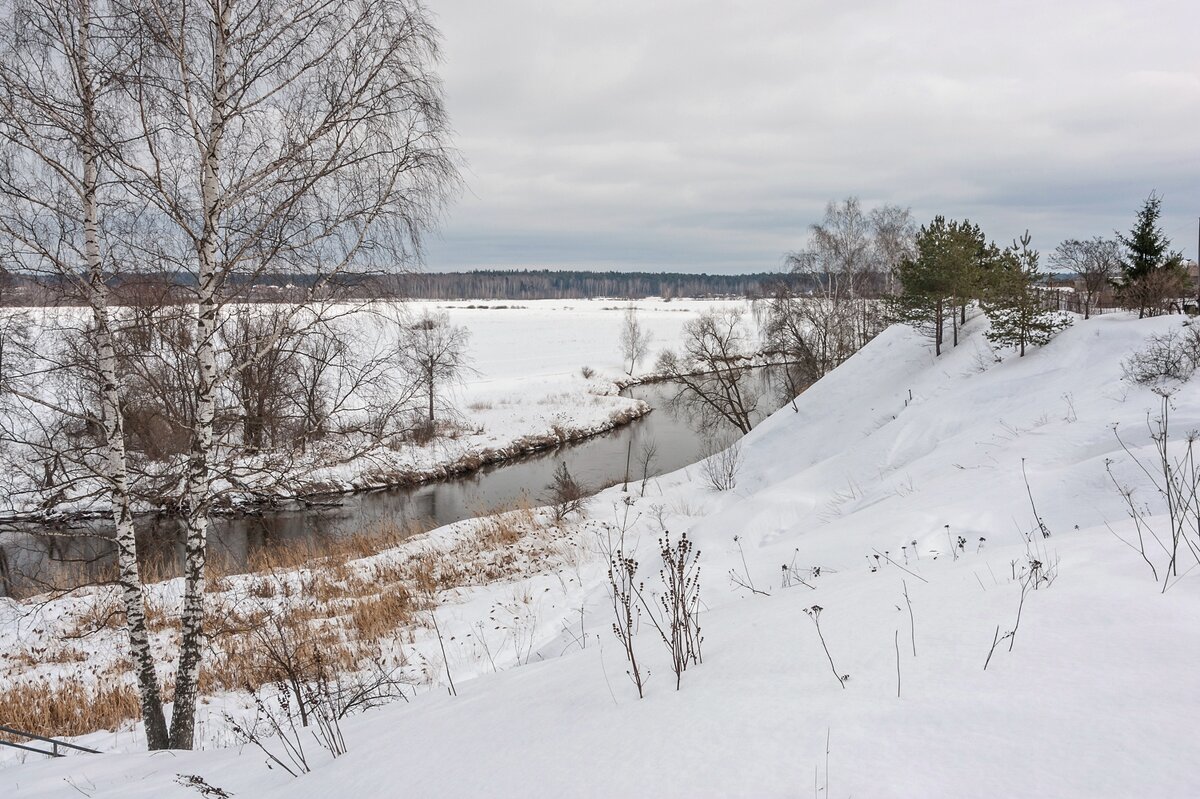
{"type": "Point", "coordinates": [851, 258]}
{"type": "Point", "coordinates": [58, 64]}
{"type": "Point", "coordinates": [635, 339]}
{"type": "Point", "coordinates": [433, 352]}
{"type": "Point", "coordinates": [298, 136]}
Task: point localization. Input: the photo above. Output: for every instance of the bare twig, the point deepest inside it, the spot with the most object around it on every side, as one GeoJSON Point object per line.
{"type": "Point", "coordinates": [814, 613]}
{"type": "Point", "coordinates": [912, 625]}
{"type": "Point", "coordinates": [896, 641]}
{"type": "Point", "coordinates": [995, 641]}
{"type": "Point", "coordinates": [897, 565]}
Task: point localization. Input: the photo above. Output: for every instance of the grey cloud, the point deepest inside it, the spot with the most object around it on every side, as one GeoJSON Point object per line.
{"type": "Point", "coordinates": [708, 135]}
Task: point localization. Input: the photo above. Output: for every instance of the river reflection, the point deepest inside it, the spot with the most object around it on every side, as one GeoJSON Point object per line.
{"type": "Point", "coordinates": [63, 556]}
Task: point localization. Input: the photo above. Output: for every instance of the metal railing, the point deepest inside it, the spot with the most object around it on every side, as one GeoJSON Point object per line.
{"type": "Point", "coordinates": [54, 744]}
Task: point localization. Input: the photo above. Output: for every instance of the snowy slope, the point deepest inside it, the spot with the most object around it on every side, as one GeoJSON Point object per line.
{"type": "Point", "coordinates": [1097, 696]}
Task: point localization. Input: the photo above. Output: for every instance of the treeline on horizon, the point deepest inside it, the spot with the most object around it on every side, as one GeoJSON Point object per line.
{"type": "Point", "coordinates": [494, 284]}
{"type": "Point", "coordinates": [547, 284]}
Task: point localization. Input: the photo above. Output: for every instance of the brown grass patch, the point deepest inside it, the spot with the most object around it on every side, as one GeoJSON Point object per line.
{"type": "Point", "coordinates": [309, 610]}
{"type": "Point", "coordinates": [68, 708]}
{"type": "Point", "coordinates": [103, 611]}
{"type": "Point", "coordinates": [326, 552]}
{"type": "Point", "coordinates": [157, 618]}
{"type": "Point", "coordinates": [380, 616]}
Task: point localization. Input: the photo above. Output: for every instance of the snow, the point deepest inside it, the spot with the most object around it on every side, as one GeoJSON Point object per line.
{"type": "Point", "coordinates": [1096, 697]}
{"type": "Point", "coordinates": [525, 391]}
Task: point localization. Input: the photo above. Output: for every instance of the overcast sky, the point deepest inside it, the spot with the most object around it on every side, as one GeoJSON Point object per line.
{"type": "Point", "coordinates": [707, 136]}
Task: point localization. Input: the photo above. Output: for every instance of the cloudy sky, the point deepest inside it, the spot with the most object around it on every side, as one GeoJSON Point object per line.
{"type": "Point", "coordinates": [707, 136]}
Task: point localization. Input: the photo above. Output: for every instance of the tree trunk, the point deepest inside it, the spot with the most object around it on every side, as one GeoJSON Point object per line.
{"type": "Point", "coordinates": [196, 498]}
{"type": "Point", "coordinates": [937, 333]}
{"type": "Point", "coordinates": [112, 427]}
{"type": "Point", "coordinates": [129, 578]}
{"type": "Point", "coordinates": [431, 399]}
{"type": "Point", "coordinates": [191, 643]}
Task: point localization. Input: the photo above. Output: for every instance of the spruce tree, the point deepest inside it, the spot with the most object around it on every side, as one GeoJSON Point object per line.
{"type": "Point", "coordinates": [1150, 272]}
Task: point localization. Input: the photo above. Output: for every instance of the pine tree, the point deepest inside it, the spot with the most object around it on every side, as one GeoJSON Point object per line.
{"type": "Point", "coordinates": [1018, 317]}
{"type": "Point", "coordinates": [947, 273]}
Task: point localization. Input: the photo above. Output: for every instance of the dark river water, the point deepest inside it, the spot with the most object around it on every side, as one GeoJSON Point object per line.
{"type": "Point", "coordinates": [33, 558]}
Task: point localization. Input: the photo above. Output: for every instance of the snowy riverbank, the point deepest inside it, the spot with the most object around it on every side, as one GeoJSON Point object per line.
{"type": "Point", "coordinates": [525, 393]}
{"type": "Point", "coordinates": [900, 482]}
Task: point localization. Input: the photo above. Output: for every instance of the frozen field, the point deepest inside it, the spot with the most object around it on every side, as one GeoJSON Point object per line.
{"type": "Point", "coordinates": [526, 381]}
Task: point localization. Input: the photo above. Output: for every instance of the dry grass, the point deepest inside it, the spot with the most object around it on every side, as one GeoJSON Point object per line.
{"type": "Point", "coordinates": [159, 566]}
{"type": "Point", "coordinates": [496, 532]}
{"type": "Point", "coordinates": [332, 551]}
{"type": "Point", "coordinates": [378, 617]}
{"type": "Point", "coordinates": [41, 656]}
{"type": "Point", "coordinates": [68, 707]}
{"type": "Point", "coordinates": [347, 609]}
{"type": "Point", "coordinates": [157, 618]}
{"type": "Point", "coordinates": [308, 609]}
{"type": "Point", "coordinates": [273, 650]}
{"type": "Point", "coordinates": [102, 611]}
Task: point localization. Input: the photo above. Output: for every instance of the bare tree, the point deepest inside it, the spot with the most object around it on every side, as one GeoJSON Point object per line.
{"type": "Point", "coordinates": [850, 261]}
{"type": "Point", "coordinates": [434, 353]}
{"type": "Point", "coordinates": [635, 339]}
{"type": "Point", "coordinates": [722, 462]}
{"type": "Point", "coordinates": [14, 335]}
{"type": "Point", "coordinates": [854, 253]}
{"type": "Point", "coordinates": [646, 457]}
{"type": "Point", "coordinates": [839, 256]}
{"type": "Point", "coordinates": [1095, 262]}
{"type": "Point", "coordinates": [261, 344]}
{"type": "Point", "coordinates": [814, 334]}
{"type": "Point", "coordinates": [343, 381]}
{"type": "Point", "coordinates": [712, 372]}
{"type": "Point", "coordinates": [58, 68]}
{"type": "Point", "coordinates": [894, 233]}
{"type": "Point", "coordinates": [295, 136]}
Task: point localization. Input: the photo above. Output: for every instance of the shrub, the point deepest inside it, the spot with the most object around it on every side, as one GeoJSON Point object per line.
{"type": "Point", "coordinates": [1167, 359]}
{"type": "Point", "coordinates": [722, 463]}
{"type": "Point", "coordinates": [566, 493]}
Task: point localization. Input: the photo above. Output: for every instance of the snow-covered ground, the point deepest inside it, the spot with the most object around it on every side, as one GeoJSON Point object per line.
{"type": "Point", "coordinates": [526, 384]}
{"type": "Point", "coordinates": [864, 492]}
{"type": "Point", "coordinates": [525, 390]}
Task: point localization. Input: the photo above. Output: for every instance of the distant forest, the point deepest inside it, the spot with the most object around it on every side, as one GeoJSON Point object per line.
{"type": "Point", "coordinates": [545, 284]}
{"type": "Point", "coordinates": [540, 284]}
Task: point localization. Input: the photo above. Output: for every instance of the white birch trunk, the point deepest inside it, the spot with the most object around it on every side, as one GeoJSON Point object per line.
{"type": "Point", "coordinates": [197, 495]}
{"type": "Point", "coordinates": [115, 465]}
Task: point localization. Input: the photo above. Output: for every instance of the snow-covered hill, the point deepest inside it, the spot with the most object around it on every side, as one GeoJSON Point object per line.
{"type": "Point", "coordinates": [887, 463]}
